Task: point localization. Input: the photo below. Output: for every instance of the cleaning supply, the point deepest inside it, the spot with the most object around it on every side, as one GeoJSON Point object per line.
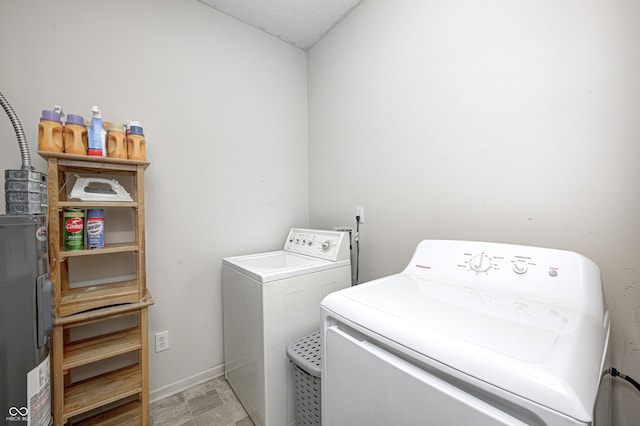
{"type": "Point", "coordinates": [73, 220]}
{"type": "Point", "coordinates": [50, 132]}
{"type": "Point", "coordinates": [116, 141]}
{"type": "Point", "coordinates": [95, 229]}
{"type": "Point", "coordinates": [136, 144]}
{"type": "Point", "coordinates": [75, 135]}
{"type": "Point", "coordinates": [97, 135]}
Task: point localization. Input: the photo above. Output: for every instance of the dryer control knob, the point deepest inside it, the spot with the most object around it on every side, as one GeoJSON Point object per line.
{"type": "Point", "coordinates": [520, 267]}
{"type": "Point", "coordinates": [326, 245]}
{"type": "Point", "coordinates": [480, 263]}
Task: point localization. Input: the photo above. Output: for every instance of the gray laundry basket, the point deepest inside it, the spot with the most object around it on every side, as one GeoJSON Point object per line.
{"type": "Point", "coordinates": [304, 353]}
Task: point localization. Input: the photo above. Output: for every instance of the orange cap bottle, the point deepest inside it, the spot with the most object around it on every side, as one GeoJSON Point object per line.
{"type": "Point", "coordinates": [116, 141]}
{"type": "Point", "coordinates": [75, 135]}
{"type": "Point", "coordinates": [136, 144]}
{"type": "Point", "coordinates": [50, 132]}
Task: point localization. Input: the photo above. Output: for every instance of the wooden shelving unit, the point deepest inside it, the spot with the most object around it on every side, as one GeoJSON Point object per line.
{"type": "Point", "coordinates": [121, 394]}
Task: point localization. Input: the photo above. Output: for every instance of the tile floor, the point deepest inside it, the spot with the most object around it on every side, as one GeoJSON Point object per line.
{"type": "Point", "coordinates": [211, 403]}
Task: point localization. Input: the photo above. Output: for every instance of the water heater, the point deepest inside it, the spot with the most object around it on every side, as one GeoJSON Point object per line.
{"type": "Point", "coordinates": [25, 321]}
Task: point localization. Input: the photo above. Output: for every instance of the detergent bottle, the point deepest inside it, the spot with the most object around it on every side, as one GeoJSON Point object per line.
{"type": "Point", "coordinates": [116, 141]}
{"type": "Point", "coordinates": [75, 135]}
{"type": "Point", "coordinates": [50, 132]}
{"type": "Point", "coordinates": [136, 144]}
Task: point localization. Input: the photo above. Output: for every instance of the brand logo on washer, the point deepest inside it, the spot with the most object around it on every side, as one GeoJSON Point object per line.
{"type": "Point", "coordinates": [74, 225]}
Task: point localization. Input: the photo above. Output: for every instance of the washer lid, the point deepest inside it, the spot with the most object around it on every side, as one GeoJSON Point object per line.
{"type": "Point", "coordinates": [278, 265]}
{"type": "Point", "coordinates": [545, 352]}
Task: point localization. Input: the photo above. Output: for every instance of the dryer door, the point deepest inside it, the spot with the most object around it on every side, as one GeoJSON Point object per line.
{"type": "Point", "coordinates": [398, 393]}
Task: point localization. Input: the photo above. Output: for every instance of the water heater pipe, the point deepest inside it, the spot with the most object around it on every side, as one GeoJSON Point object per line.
{"type": "Point", "coordinates": [22, 139]}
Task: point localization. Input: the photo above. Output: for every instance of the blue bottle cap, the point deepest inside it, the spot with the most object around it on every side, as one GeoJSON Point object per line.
{"type": "Point", "coordinates": [136, 130]}
{"type": "Point", "coordinates": [75, 119]}
{"type": "Point", "coordinates": [50, 115]}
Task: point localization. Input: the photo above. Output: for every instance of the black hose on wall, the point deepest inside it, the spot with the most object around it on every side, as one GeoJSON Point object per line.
{"type": "Point", "coordinates": [616, 373]}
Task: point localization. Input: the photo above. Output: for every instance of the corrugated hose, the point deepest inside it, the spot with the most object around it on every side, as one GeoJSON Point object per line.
{"type": "Point", "coordinates": [22, 139]}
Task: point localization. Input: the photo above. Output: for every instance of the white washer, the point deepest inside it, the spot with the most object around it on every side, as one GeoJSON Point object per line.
{"type": "Point", "coordinates": [470, 333]}
{"type": "Point", "coordinates": [269, 300]}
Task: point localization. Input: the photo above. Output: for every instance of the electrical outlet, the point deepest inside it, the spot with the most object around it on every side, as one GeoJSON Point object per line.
{"type": "Point", "coordinates": [360, 212]}
{"type": "Point", "coordinates": [162, 341]}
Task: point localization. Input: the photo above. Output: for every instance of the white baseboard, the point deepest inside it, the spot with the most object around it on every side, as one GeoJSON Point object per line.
{"type": "Point", "coordinates": [183, 384]}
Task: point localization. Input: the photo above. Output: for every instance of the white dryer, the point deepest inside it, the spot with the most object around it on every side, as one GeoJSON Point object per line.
{"type": "Point", "coordinates": [269, 300]}
{"type": "Point", "coordinates": [470, 333]}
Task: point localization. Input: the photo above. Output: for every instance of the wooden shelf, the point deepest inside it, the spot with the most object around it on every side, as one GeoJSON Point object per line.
{"type": "Point", "coordinates": [82, 299]}
{"type": "Point", "coordinates": [105, 399]}
{"type": "Point", "coordinates": [60, 167]}
{"type": "Point", "coordinates": [86, 351]}
{"type": "Point", "coordinates": [104, 313]}
{"type": "Point", "coordinates": [128, 414]}
{"type": "Point", "coordinates": [93, 161]}
{"type": "Point", "coordinates": [108, 249]}
{"type": "Point", "coordinates": [95, 204]}
{"type": "Point", "coordinates": [101, 390]}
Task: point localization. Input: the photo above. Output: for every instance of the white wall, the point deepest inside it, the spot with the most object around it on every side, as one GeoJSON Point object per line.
{"type": "Point", "coordinates": [499, 121]}
{"type": "Point", "coordinates": [224, 110]}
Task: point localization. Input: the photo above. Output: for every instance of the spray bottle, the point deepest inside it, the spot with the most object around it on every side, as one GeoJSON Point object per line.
{"type": "Point", "coordinates": [97, 134]}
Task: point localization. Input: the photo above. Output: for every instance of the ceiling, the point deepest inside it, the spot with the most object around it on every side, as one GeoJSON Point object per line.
{"type": "Point", "coordinates": [298, 22]}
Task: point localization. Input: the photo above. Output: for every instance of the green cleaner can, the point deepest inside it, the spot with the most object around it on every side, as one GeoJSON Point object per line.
{"type": "Point", "coordinates": [73, 220]}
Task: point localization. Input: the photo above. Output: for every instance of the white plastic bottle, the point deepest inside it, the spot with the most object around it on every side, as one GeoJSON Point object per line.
{"type": "Point", "coordinates": [97, 134]}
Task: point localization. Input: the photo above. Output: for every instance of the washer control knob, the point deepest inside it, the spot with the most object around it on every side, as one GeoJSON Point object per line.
{"type": "Point", "coordinates": [480, 263]}
{"type": "Point", "coordinates": [326, 245]}
{"type": "Point", "coordinates": [520, 267]}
